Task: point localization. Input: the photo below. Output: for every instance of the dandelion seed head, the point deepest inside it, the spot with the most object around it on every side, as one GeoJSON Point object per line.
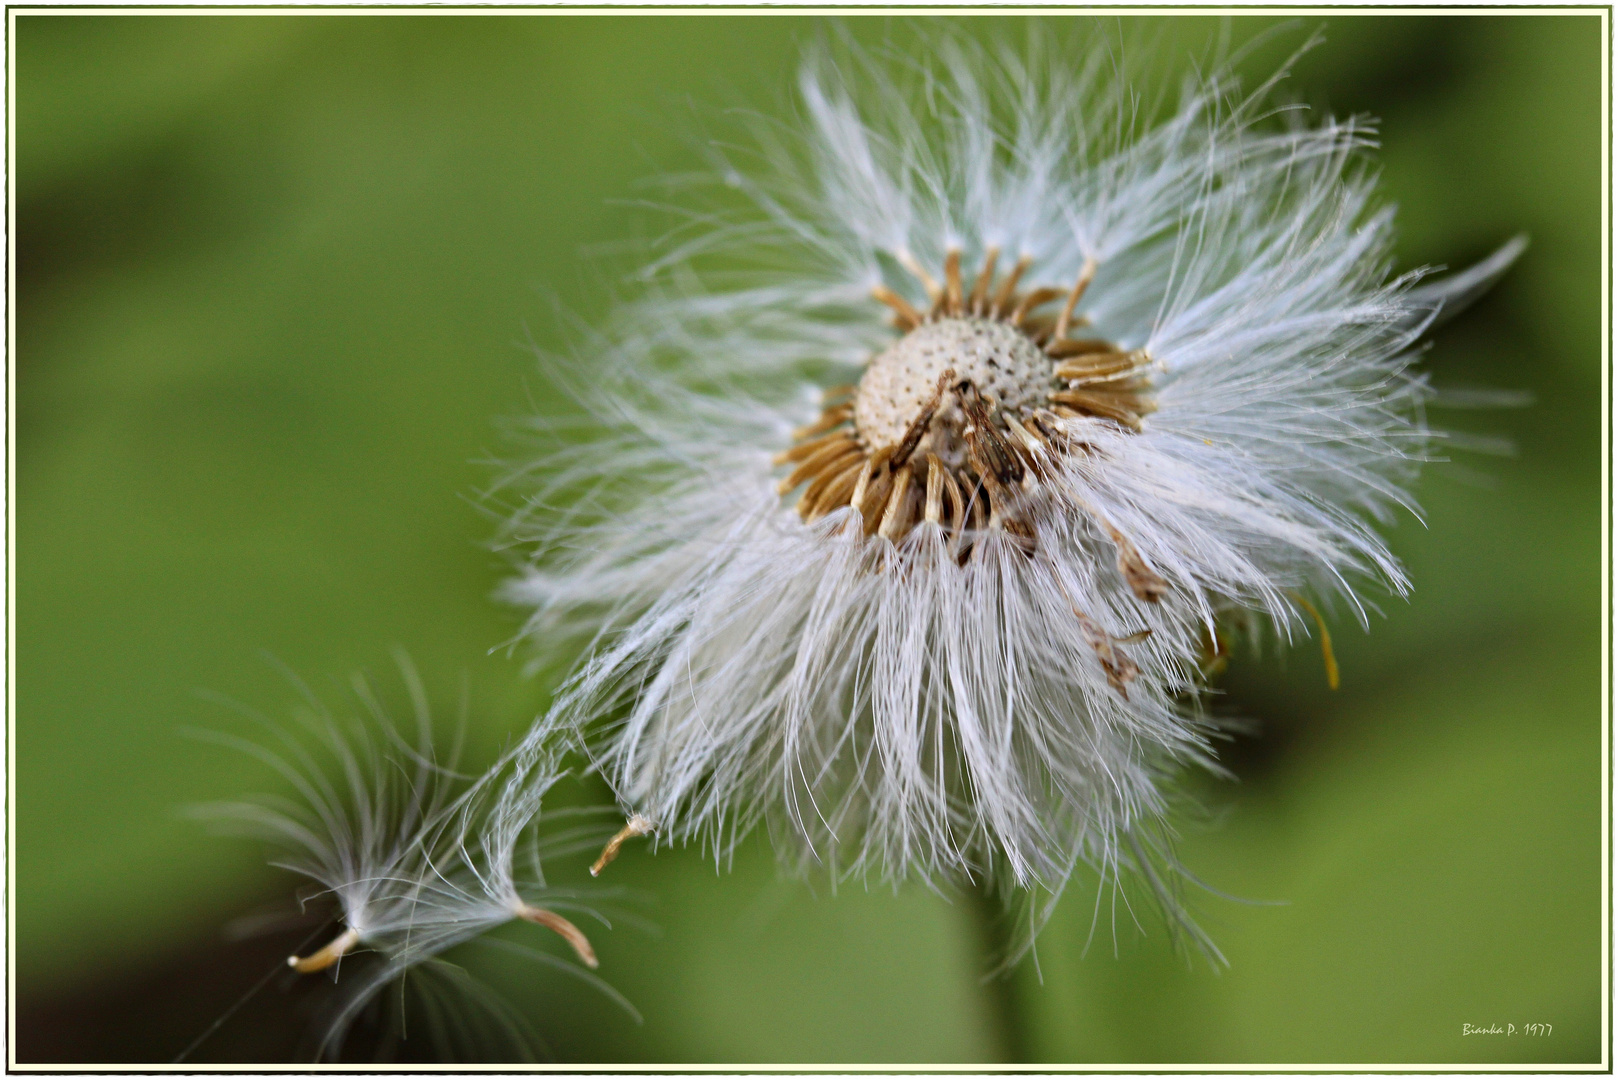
{"type": "Point", "coordinates": [1093, 382]}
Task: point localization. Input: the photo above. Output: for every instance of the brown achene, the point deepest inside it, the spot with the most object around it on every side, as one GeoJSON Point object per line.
{"type": "Point", "coordinates": [959, 417]}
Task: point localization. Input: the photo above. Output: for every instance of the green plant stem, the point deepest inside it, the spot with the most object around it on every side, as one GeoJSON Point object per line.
{"type": "Point", "coordinates": [999, 984]}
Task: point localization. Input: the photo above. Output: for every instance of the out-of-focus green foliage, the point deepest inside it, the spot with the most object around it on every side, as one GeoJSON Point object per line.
{"type": "Point", "coordinates": [275, 278]}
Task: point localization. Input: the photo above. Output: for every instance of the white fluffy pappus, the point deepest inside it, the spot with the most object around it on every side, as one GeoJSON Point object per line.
{"type": "Point", "coordinates": [417, 859]}
{"type": "Point", "coordinates": [943, 439]}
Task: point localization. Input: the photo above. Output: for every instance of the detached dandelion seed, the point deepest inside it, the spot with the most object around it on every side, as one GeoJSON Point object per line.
{"type": "Point", "coordinates": [417, 858]}
{"type": "Point", "coordinates": [944, 447]}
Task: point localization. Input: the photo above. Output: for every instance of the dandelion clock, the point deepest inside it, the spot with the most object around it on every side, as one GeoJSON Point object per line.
{"type": "Point", "coordinates": [948, 443]}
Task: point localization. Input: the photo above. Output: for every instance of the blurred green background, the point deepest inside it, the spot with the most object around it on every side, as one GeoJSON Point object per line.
{"type": "Point", "coordinates": [274, 279]}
